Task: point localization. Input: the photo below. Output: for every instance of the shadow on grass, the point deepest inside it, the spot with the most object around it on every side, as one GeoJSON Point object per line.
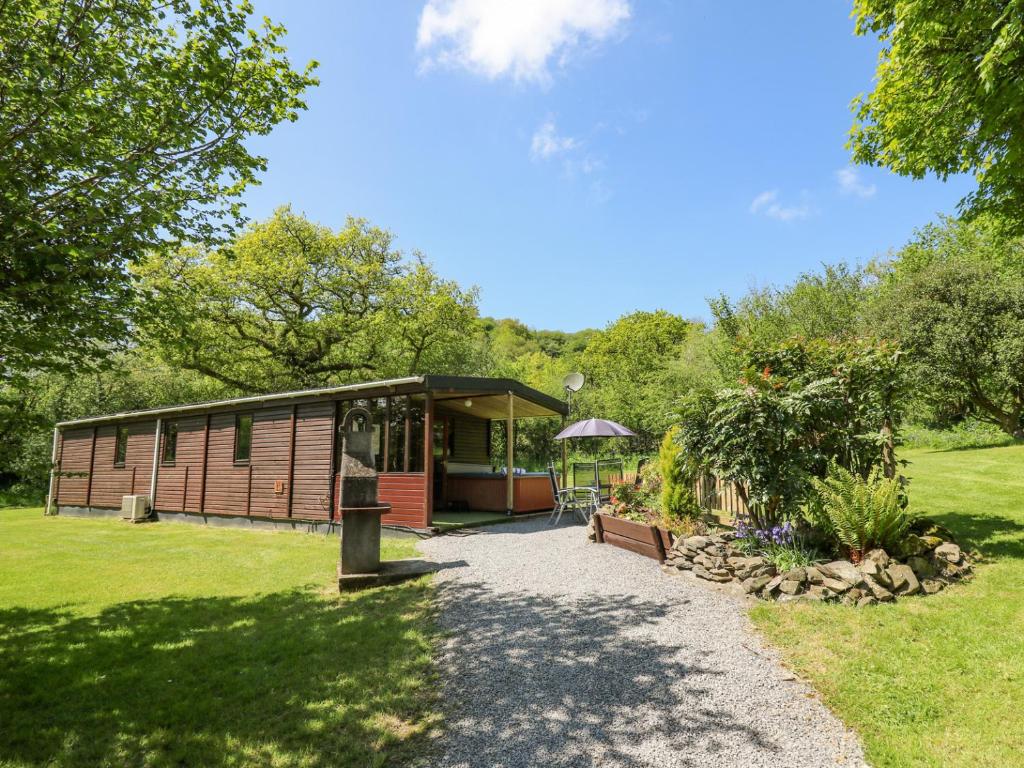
{"type": "Point", "coordinates": [532, 680]}
{"type": "Point", "coordinates": [285, 679]}
{"type": "Point", "coordinates": [992, 535]}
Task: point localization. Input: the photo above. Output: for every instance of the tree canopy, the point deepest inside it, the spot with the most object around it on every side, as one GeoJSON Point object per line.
{"type": "Point", "coordinates": [292, 304]}
{"type": "Point", "coordinates": [122, 131]}
{"type": "Point", "coordinates": [948, 95]}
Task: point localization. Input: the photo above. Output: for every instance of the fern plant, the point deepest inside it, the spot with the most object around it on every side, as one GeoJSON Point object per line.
{"type": "Point", "coordinates": [862, 514]}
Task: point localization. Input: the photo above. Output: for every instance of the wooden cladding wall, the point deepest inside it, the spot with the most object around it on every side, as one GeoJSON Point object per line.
{"type": "Point", "coordinates": [75, 454]}
{"type": "Point", "coordinates": [288, 473]}
{"type": "Point", "coordinates": [106, 484]}
{"type": "Point", "coordinates": [407, 495]}
{"type": "Point", "coordinates": [179, 485]}
{"type": "Point", "coordinates": [311, 484]}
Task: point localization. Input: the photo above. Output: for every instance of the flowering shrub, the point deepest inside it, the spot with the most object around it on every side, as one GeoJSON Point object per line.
{"type": "Point", "coordinates": [782, 545]}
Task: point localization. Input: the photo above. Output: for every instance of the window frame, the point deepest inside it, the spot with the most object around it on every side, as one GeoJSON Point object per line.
{"type": "Point", "coordinates": [120, 429]}
{"type": "Point", "coordinates": [234, 451]}
{"type": "Point", "coordinates": [170, 429]}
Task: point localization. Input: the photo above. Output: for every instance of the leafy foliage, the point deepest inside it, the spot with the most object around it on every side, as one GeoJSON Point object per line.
{"type": "Point", "coordinates": [123, 131]}
{"type": "Point", "coordinates": [678, 473]}
{"type": "Point", "coordinates": [629, 373]}
{"type": "Point", "coordinates": [946, 98]}
{"type": "Point", "coordinates": [862, 513]}
{"type": "Point", "coordinates": [800, 405]}
{"type": "Point", "coordinates": [962, 324]}
{"type": "Point", "coordinates": [293, 304]}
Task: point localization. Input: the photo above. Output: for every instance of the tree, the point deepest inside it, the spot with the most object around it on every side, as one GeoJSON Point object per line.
{"type": "Point", "coordinates": [801, 405]}
{"type": "Point", "coordinates": [122, 131]}
{"type": "Point", "coordinates": [628, 367]}
{"type": "Point", "coordinates": [818, 305]}
{"type": "Point", "coordinates": [294, 304]}
{"type": "Point", "coordinates": [961, 323]}
{"type": "Point", "coordinates": [947, 96]}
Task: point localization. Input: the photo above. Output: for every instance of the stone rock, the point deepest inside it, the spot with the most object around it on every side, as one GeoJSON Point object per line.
{"type": "Point", "coordinates": [592, 529]}
{"type": "Point", "coordinates": [683, 565]}
{"type": "Point", "coordinates": [880, 593]}
{"type": "Point", "coordinates": [799, 575]}
{"type": "Point", "coordinates": [922, 567]}
{"type": "Point", "coordinates": [720, 572]}
{"type": "Point", "coordinates": [814, 594]}
{"type": "Point", "coordinates": [821, 592]}
{"type": "Point", "coordinates": [950, 570]}
{"type": "Point", "coordinates": [696, 542]}
{"type": "Point", "coordinates": [949, 552]}
{"type": "Point", "coordinates": [738, 562]}
{"type": "Point", "coordinates": [866, 601]}
{"type": "Point", "coordinates": [843, 570]}
{"type": "Point", "coordinates": [878, 556]}
{"type": "Point", "coordinates": [929, 528]}
{"type": "Point", "coordinates": [757, 562]}
{"type": "Point", "coordinates": [814, 576]}
{"type": "Point", "coordinates": [764, 570]}
{"type": "Point", "coordinates": [704, 560]}
{"type": "Point", "coordinates": [772, 585]}
{"type": "Point", "coordinates": [790, 587]}
{"type": "Point", "coordinates": [755, 584]}
{"type": "Point", "coordinates": [704, 573]}
{"type": "Point", "coordinates": [853, 596]}
{"type": "Point", "coordinates": [835, 585]}
{"type": "Point", "coordinates": [913, 546]}
{"type": "Point", "coordinates": [931, 586]}
{"type": "Point", "coordinates": [873, 569]}
{"type": "Point", "coordinates": [904, 581]}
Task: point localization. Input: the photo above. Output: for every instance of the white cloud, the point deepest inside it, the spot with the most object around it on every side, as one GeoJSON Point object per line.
{"type": "Point", "coordinates": [495, 38]}
{"type": "Point", "coordinates": [546, 142]}
{"type": "Point", "coordinates": [850, 183]}
{"type": "Point", "coordinates": [768, 203]}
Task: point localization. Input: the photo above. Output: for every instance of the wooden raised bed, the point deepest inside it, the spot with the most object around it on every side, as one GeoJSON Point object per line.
{"type": "Point", "coordinates": [647, 540]}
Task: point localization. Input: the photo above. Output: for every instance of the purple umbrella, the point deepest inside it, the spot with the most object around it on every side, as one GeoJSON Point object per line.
{"type": "Point", "coordinates": [594, 428]}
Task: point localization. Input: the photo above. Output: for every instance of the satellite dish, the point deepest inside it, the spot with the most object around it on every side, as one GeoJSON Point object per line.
{"type": "Point", "coordinates": [573, 382]}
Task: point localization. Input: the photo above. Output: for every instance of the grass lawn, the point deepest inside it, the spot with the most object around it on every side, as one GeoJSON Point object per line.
{"type": "Point", "coordinates": [934, 681]}
{"type": "Point", "coordinates": [178, 645]}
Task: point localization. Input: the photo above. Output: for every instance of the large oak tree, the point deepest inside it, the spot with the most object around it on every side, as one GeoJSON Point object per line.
{"type": "Point", "coordinates": [293, 304]}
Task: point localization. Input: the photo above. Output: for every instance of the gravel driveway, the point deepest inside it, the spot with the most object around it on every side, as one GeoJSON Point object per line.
{"type": "Point", "coordinates": [560, 652]}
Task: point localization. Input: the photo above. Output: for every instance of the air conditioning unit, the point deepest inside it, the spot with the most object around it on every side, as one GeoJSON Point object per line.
{"type": "Point", "coordinates": [135, 508]}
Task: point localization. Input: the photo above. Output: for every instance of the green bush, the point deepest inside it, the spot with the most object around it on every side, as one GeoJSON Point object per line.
{"type": "Point", "coordinates": [678, 476]}
{"type": "Point", "coordinates": [862, 514]}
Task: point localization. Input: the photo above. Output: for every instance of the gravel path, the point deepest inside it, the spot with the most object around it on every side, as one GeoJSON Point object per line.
{"type": "Point", "coordinates": [560, 652]}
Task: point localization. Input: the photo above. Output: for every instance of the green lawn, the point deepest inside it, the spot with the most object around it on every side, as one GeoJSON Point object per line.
{"type": "Point", "coordinates": [934, 681]}
{"type": "Point", "coordinates": [178, 645]}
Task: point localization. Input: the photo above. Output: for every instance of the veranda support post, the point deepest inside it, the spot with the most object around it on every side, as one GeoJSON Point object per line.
{"type": "Point", "coordinates": [510, 437]}
{"type": "Point", "coordinates": [53, 470]}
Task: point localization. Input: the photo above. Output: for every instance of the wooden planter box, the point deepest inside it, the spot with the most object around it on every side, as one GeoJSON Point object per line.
{"type": "Point", "coordinates": [647, 540]}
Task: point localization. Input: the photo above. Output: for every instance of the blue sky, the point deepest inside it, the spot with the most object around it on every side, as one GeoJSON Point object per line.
{"type": "Point", "coordinates": [593, 157]}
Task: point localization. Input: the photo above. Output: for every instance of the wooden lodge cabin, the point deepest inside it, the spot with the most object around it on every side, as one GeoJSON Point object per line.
{"type": "Point", "coordinates": [274, 458]}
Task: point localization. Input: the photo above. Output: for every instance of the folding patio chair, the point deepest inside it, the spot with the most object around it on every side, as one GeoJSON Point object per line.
{"type": "Point", "coordinates": [582, 502]}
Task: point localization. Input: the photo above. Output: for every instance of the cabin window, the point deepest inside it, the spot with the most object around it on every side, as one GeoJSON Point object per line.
{"type": "Point", "coordinates": [396, 434]}
{"type": "Point", "coordinates": [243, 437]}
{"type": "Point", "coordinates": [170, 442]}
{"type": "Point", "coordinates": [121, 446]}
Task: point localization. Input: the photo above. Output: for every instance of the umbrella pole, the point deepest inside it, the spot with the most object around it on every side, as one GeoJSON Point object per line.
{"type": "Point", "coordinates": [565, 459]}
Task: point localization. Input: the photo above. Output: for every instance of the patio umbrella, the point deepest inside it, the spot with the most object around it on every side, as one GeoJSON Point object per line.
{"type": "Point", "coordinates": [594, 428]}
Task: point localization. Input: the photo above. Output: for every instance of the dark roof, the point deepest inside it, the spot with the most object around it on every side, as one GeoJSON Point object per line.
{"type": "Point", "coordinates": [455, 385]}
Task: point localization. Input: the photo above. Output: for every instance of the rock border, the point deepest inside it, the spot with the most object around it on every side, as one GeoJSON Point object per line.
{"type": "Point", "coordinates": [879, 578]}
